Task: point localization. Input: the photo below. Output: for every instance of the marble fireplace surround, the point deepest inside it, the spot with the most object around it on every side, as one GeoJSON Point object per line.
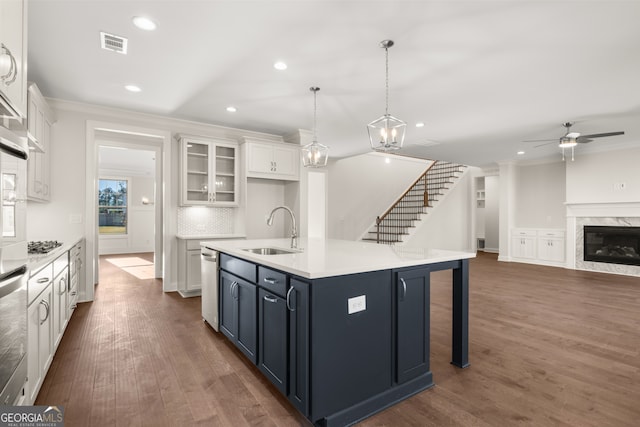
{"type": "Point", "coordinates": [625, 214]}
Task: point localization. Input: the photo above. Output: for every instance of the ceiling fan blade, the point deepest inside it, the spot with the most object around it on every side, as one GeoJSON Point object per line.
{"type": "Point", "coordinates": [540, 140]}
{"type": "Point", "coordinates": [546, 143]}
{"type": "Point", "coordinates": [602, 135]}
{"type": "Point", "coordinates": [583, 140]}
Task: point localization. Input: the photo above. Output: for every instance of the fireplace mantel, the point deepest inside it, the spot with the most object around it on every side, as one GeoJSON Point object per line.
{"type": "Point", "coordinates": [603, 209]}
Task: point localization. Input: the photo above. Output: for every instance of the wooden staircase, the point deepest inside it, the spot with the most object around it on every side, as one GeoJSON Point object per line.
{"type": "Point", "coordinates": [414, 203]}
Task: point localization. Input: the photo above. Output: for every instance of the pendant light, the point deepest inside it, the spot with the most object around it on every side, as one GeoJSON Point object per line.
{"type": "Point", "coordinates": [314, 155]}
{"type": "Point", "coordinates": [387, 132]}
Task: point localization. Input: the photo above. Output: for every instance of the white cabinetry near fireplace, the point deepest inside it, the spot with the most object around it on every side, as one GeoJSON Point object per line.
{"type": "Point", "coordinates": [538, 246]}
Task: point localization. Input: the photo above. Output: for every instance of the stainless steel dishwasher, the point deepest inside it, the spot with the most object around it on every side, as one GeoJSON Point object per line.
{"type": "Point", "coordinates": [209, 268]}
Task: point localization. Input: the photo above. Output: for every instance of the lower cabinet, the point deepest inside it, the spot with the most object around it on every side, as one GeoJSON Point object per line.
{"type": "Point", "coordinates": [298, 306]}
{"type": "Point", "coordinates": [238, 313]}
{"type": "Point", "coordinates": [272, 338]}
{"type": "Point", "coordinates": [189, 275]}
{"type": "Point", "coordinates": [412, 324]}
{"type": "Point", "coordinates": [40, 340]}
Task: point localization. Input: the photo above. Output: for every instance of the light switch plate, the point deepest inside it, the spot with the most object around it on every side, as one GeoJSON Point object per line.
{"type": "Point", "coordinates": [357, 304]}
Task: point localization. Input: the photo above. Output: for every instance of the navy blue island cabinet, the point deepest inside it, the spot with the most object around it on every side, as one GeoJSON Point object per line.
{"type": "Point", "coordinates": [341, 348]}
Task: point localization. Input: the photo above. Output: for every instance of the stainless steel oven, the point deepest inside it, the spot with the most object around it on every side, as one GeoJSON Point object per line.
{"type": "Point", "coordinates": [13, 266]}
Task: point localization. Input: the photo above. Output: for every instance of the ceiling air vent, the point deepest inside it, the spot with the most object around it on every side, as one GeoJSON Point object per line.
{"type": "Point", "coordinates": [113, 43]}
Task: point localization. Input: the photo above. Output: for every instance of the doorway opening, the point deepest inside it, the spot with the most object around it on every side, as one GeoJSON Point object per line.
{"type": "Point", "coordinates": [135, 192]}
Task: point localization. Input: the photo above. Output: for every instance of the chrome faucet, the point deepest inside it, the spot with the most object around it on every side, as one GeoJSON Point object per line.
{"type": "Point", "coordinates": [294, 232]}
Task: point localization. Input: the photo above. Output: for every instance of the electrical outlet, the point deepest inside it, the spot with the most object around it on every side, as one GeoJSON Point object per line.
{"type": "Point", "coordinates": [357, 304]}
{"type": "Point", "coordinates": [75, 219]}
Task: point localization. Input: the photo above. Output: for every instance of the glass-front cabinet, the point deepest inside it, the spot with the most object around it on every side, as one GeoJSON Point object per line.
{"type": "Point", "coordinates": [209, 171]}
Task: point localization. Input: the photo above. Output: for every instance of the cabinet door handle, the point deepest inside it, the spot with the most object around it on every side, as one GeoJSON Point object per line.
{"type": "Point", "coordinates": [270, 280]}
{"type": "Point", "coordinates": [234, 285]}
{"type": "Point", "coordinates": [270, 299]}
{"type": "Point", "coordinates": [289, 300]}
{"type": "Point", "coordinates": [46, 307]}
{"type": "Point", "coordinates": [74, 293]}
{"type": "Point", "coordinates": [63, 286]}
{"type": "Point", "coordinates": [43, 280]}
{"type": "Point", "coordinates": [11, 75]}
{"type": "Point", "coordinates": [404, 289]}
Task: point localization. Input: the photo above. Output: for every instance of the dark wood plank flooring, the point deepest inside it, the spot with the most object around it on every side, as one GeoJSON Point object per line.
{"type": "Point", "coordinates": [548, 347]}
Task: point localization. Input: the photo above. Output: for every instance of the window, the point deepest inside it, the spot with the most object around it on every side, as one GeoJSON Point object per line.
{"type": "Point", "coordinates": [112, 206]}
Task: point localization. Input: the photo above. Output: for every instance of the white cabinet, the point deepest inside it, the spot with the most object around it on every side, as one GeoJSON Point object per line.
{"type": "Point", "coordinates": [76, 256]}
{"type": "Point", "coordinates": [39, 122]}
{"type": "Point", "coordinates": [52, 297]}
{"type": "Point", "coordinates": [538, 246]}
{"type": "Point", "coordinates": [523, 244]}
{"type": "Point", "coordinates": [208, 172]}
{"type": "Point", "coordinates": [60, 295]}
{"type": "Point", "coordinates": [189, 275]}
{"type": "Point", "coordinates": [13, 59]}
{"type": "Point", "coordinates": [272, 160]}
{"type": "Point", "coordinates": [551, 246]}
{"type": "Point", "coordinates": [40, 340]}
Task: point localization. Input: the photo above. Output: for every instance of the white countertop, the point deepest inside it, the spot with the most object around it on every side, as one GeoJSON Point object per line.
{"type": "Point", "coordinates": [38, 261]}
{"type": "Point", "coordinates": [329, 257]}
{"type": "Point", "coordinates": [209, 236]}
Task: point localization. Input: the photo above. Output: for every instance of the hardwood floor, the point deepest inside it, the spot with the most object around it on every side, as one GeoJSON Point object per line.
{"type": "Point", "coordinates": [548, 347]}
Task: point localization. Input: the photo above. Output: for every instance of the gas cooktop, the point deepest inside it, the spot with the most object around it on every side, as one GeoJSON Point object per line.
{"type": "Point", "coordinates": [42, 247]}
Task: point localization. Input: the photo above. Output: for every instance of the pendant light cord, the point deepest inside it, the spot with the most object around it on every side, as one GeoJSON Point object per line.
{"type": "Point", "coordinates": [386, 83]}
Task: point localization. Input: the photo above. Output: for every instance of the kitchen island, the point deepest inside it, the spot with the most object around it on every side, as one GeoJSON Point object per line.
{"type": "Point", "coordinates": [339, 327]}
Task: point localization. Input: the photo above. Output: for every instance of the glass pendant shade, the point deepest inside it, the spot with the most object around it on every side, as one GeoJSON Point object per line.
{"type": "Point", "coordinates": [315, 155]}
{"type": "Point", "coordinates": [386, 133]}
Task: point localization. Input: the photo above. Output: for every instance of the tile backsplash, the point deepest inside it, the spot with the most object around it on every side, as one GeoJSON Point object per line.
{"type": "Point", "coordinates": [199, 220]}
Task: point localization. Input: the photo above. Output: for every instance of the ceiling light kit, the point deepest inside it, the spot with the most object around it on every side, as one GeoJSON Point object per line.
{"type": "Point", "coordinates": [144, 23]}
{"type": "Point", "coordinates": [571, 139]}
{"type": "Point", "coordinates": [315, 155]}
{"type": "Point", "coordinates": [133, 88]}
{"type": "Point", "coordinates": [387, 132]}
{"type": "Point", "coordinates": [280, 66]}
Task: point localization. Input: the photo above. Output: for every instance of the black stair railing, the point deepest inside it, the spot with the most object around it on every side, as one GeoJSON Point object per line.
{"type": "Point", "coordinates": [413, 203]}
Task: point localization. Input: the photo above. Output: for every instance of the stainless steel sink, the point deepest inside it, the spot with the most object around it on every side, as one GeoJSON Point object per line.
{"type": "Point", "coordinates": [272, 251]}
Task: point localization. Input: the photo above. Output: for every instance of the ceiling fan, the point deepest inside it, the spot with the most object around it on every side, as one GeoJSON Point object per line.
{"type": "Point", "coordinates": [571, 139]}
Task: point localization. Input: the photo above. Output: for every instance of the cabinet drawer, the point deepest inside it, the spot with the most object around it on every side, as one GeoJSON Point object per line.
{"type": "Point", "coordinates": [238, 267]}
{"type": "Point", "coordinates": [39, 281]}
{"type": "Point", "coordinates": [272, 280]}
{"type": "Point", "coordinates": [193, 244]}
{"type": "Point", "coordinates": [524, 233]}
{"type": "Point", "coordinates": [551, 234]}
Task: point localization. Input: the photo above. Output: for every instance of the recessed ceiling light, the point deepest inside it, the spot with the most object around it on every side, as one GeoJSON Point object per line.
{"type": "Point", "coordinates": [387, 160]}
{"type": "Point", "coordinates": [520, 153]}
{"type": "Point", "coordinates": [144, 23]}
{"type": "Point", "coordinates": [280, 66]}
{"type": "Point", "coordinates": [231, 109]}
{"type": "Point", "coordinates": [132, 88]}
{"type": "Point", "coordinates": [420, 124]}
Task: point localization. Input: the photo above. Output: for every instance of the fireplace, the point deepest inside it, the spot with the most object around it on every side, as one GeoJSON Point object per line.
{"type": "Point", "coordinates": [613, 245]}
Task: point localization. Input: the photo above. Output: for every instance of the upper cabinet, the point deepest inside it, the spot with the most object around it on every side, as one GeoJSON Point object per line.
{"type": "Point", "coordinates": [208, 171]}
{"type": "Point", "coordinates": [13, 59]}
{"type": "Point", "coordinates": [39, 122]}
{"type": "Point", "coordinates": [272, 160]}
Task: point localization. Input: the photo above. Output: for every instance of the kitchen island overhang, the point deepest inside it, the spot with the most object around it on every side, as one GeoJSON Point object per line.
{"type": "Point", "coordinates": [355, 336]}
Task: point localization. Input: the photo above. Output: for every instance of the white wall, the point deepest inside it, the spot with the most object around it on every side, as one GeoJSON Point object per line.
{"type": "Point", "coordinates": [262, 196]}
{"type": "Point", "coordinates": [363, 187]}
{"type": "Point", "coordinates": [448, 225]}
{"type": "Point", "coordinates": [592, 178]}
{"type": "Point", "coordinates": [540, 195]}
{"type": "Point", "coordinates": [140, 224]}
